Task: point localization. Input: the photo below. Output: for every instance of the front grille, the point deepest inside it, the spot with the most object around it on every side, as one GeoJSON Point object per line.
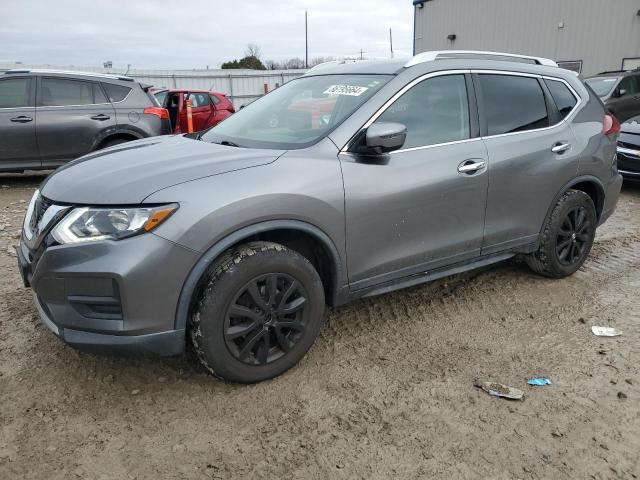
{"type": "Point", "coordinates": [41, 206]}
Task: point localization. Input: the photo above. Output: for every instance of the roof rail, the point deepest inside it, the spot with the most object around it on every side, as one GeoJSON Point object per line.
{"type": "Point", "coordinates": [449, 54]}
{"type": "Point", "coordinates": [71, 72]}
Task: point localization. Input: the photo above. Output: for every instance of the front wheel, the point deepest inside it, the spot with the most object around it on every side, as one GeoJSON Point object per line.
{"type": "Point", "coordinates": [567, 237]}
{"type": "Point", "coordinates": [259, 312]}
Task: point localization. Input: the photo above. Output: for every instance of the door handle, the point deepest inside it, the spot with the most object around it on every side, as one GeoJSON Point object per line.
{"type": "Point", "coordinates": [22, 119]}
{"type": "Point", "coordinates": [560, 148]}
{"type": "Point", "coordinates": [471, 166]}
{"type": "Point", "coordinates": [101, 117]}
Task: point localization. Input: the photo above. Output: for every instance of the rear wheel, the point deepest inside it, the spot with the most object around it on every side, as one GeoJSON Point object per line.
{"type": "Point", "coordinates": [258, 314]}
{"type": "Point", "coordinates": [567, 237]}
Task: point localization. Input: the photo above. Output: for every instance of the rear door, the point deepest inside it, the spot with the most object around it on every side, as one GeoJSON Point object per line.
{"type": "Point", "coordinates": [201, 112]}
{"type": "Point", "coordinates": [71, 116]}
{"type": "Point", "coordinates": [531, 153]}
{"type": "Point", "coordinates": [18, 147]}
{"type": "Point", "coordinates": [220, 112]}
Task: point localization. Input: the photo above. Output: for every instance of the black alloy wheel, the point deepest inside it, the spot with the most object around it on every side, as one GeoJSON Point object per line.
{"type": "Point", "coordinates": [266, 319]}
{"type": "Point", "coordinates": [574, 236]}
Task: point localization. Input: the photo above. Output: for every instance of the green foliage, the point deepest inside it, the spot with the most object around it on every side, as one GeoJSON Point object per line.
{"type": "Point", "coordinates": [250, 62]}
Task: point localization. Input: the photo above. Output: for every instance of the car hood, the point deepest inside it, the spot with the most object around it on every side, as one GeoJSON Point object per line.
{"type": "Point", "coordinates": [130, 172]}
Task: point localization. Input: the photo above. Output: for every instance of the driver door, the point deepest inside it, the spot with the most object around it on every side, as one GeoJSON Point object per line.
{"type": "Point", "coordinates": [421, 207]}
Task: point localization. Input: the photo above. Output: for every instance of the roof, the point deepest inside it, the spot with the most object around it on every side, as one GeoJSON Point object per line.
{"type": "Point", "coordinates": [69, 72]}
{"type": "Point", "coordinates": [391, 67]}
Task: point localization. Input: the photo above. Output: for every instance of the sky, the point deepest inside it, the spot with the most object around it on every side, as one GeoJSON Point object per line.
{"type": "Point", "coordinates": [197, 33]}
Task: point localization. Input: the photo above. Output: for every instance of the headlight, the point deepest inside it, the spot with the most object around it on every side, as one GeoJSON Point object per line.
{"type": "Point", "coordinates": [87, 224]}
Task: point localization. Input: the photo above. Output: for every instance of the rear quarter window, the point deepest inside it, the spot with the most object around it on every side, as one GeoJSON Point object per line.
{"type": "Point", "coordinates": [562, 96]}
{"type": "Point", "coordinates": [116, 93]}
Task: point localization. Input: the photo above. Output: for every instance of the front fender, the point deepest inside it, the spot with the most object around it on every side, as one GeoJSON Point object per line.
{"type": "Point", "coordinates": [214, 252]}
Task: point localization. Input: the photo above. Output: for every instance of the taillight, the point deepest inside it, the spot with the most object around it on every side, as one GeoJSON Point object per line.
{"type": "Point", "coordinates": [611, 125]}
{"type": "Point", "coordinates": [163, 113]}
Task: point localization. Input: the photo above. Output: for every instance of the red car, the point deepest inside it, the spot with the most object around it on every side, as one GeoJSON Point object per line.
{"type": "Point", "coordinates": [207, 108]}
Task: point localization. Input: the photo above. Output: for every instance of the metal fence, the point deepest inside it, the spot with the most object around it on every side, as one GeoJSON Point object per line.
{"type": "Point", "coordinates": [240, 86]}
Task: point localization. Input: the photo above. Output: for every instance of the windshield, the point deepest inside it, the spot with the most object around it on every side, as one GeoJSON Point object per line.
{"type": "Point", "coordinates": [602, 86]}
{"type": "Point", "coordinates": [298, 114]}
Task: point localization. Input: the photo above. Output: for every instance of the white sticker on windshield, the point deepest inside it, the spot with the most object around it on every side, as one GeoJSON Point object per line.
{"type": "Point", "coordinates": [351, 90]}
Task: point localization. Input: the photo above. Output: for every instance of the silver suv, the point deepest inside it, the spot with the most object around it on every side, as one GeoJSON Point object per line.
{"type": "Point", "coordinates": [49, 117]}
{"type": "Point", "coordinates": [354, 180]}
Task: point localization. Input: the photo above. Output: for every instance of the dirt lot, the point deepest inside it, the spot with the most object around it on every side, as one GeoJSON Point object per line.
{"type": "Point", "coordinates": [387, 391]}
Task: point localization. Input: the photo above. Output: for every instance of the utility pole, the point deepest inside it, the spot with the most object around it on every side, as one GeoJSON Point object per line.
{"type": "Point", "coordinates": [306, 41]}
{"type": "Point", "coordinates": [391, 42]}
{"type": "Point", "coordinates": [361, 55]}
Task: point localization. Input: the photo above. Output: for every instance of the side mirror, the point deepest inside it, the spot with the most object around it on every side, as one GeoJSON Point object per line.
{"type": "Point", "coordinates": [621, 92]}
{"type": "Point", "coordinates": [385, 137]}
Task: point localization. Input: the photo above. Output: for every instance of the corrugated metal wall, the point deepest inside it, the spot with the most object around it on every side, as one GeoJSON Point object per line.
{"type": "Point", "coordinates": [241, 86]}
{"type": "Point", "coordinates": [599, 32]}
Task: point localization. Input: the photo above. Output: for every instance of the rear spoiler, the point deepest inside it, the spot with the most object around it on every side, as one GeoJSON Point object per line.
{"type": "Point", "coordinates": [146, 86]}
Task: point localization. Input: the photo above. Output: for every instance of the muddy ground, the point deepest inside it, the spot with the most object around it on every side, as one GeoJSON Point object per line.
{"type": "Point", "coordinates": [386, 392]}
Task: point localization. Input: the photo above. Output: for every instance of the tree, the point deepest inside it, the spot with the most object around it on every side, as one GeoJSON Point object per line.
{"type": "Point", "coordinates": [250, 63]}
{"type": "Point", "coordinates": [253, 50]}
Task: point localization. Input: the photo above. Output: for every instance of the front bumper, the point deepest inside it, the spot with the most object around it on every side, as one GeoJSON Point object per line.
{"type": "Point", "coordinates": [112, 296]}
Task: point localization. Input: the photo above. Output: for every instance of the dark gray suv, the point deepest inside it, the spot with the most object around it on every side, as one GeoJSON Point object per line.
{"type": "Point", "coordinates": [620, 92]}
{"type": "Point", "coordinates": [354, 180]}
{"type": "Point", "coordinates": [50, 117]}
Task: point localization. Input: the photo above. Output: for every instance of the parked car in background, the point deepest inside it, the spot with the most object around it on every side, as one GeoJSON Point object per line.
{"type": "Point", "coordinates": [49, 117]}
{"type": "Point", "coordinates": [207, 108]}
{"type": "Point", "coordinates": [620, 92]}
{"type": "Point", "coordinates": [629, 150]}
{"type": "Point", "coordinates": [352, 180]}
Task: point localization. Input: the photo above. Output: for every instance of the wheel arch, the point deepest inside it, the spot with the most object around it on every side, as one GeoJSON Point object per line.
{"type": "Point", "coordinates": [305, 238]}
{"type": "Point", "coordinates": [588, 184]}
{"type": "Point", "coordinates": [116, 132]}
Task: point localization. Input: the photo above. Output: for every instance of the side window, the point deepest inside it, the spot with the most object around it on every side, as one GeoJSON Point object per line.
{"type": "Point", "coordinates": [513, 104]}
{"type": "Point", "coordinates": [627, 86]}
{"type": "Point", "coordinates": [434, 111]}
{"type": "Point", "coordinates": [199, 99]}
{"type": "Point", "coordinates": [116, 93]}
{"type": "Point", "coordinates": [62, 91]}
{"type": "Point", "coordinates": [562, 96]}
{"type": "Point", "coordinates": [214, 99]}
{"type": "Point", "coordinates": [98, 94]}
{"type": "Point", "coordinates": [15, 93]}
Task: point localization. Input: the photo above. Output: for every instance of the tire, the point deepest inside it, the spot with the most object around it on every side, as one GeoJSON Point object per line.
{"type": "Point", "coordinates": [243, 333]}
{"type": "Point", "coordinates": [567, 236]}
